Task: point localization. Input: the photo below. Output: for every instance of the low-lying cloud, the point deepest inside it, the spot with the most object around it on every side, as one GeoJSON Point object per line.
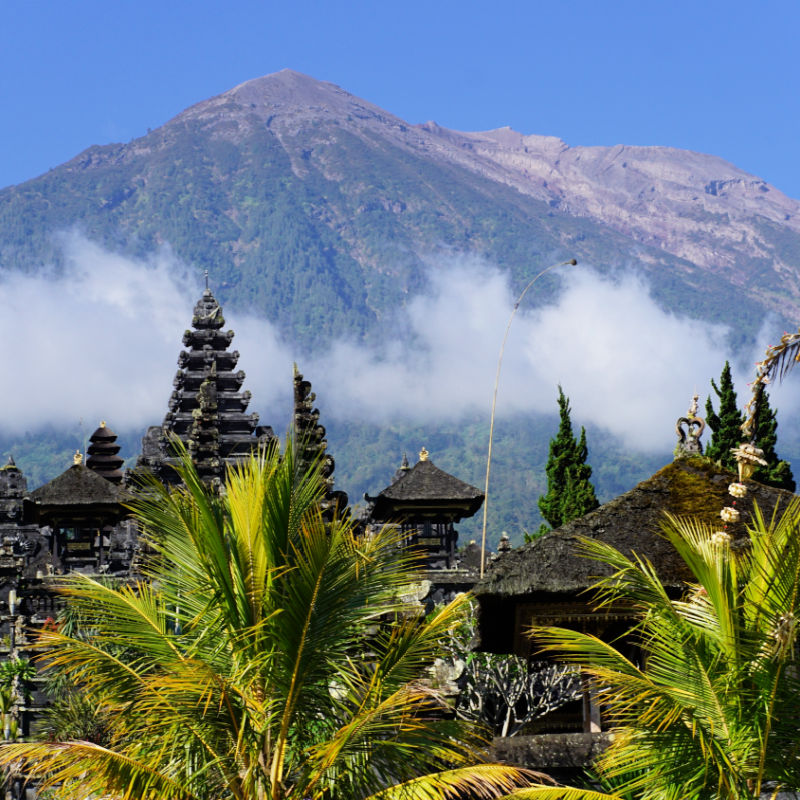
{"type": "Point", "coordinates": [100, 339]}
{"type": "Point", "coordinates": [626, 364]}
{"type": "Point", "coordinates": [95, 339]}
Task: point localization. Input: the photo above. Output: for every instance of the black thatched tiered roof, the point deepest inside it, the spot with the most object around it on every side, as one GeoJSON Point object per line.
{"type": "Point", "coordinates": [207, 411]}
{"type": "Point", "coordinates": [104, 456]}
{"type": "Point", "coordinates": [424, 490]}
{"type": "Point", "coordinates": [311, 446]}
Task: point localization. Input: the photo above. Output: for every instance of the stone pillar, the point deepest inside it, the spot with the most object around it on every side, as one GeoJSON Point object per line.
{"type": "Point", "coordinates": [591, 708]}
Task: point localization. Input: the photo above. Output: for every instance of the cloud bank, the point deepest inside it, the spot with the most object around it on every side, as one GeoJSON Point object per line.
{"type": "Point", "coordinates": [95, 340]}
{"type": "Point", "coordinates": [626, 365]}
{"type": "Point", "coordinates": [100, 341]}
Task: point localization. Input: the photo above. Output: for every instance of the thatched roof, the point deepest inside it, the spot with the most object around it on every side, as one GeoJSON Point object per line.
{"type": "Point", "coordinates": [77, 492]}
{"type": "Point", "coordinates": [425, 486]}
{"type": "Point", "coordinates": [77, 486]}
{"type": "Point", "coordinates": [548, 578]}
{"type": "Point", "coordinates": [693, 487]}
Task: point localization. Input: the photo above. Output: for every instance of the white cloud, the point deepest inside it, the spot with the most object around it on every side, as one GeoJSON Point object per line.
{"type": "Point", "coordinates": [626, 365]}
{"type": "Point", "coordinates": [100, 341]}
{"type": "Point", "coordinates": [97, 340]}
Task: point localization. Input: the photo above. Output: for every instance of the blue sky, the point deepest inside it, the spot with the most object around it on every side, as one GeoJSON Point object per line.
{"type": "Point", "coordinates": [718, 77]}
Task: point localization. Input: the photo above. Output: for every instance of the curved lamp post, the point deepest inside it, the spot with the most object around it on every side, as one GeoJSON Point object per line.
{"type": "Point", "coordinates": [571, 262]}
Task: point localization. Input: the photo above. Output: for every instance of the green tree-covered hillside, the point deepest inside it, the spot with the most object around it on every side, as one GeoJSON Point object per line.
{"type": "Point", "coordinates": [323, 222]}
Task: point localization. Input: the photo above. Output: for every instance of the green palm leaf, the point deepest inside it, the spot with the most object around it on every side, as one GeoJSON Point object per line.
{"type": "Point", "coordinates": [267, 656]}
{"type": "Point", "coordinates": [710, 711]}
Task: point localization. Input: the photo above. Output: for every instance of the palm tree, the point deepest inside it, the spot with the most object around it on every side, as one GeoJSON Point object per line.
{"type": "Point", "coordinates": [713, 710]}
{"type": "Point", "coordinates": [266, 656]}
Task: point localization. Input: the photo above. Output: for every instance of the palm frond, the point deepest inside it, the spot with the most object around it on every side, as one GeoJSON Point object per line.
{"type": "Point", "coordinates": [82, 769]}
{"type": "Point", "coordinates": [778, 361]}
{"type": "Point", "coordinates": [562, 793]}
{"type": "Point", "coordinates": [482, 782]}
{"type": "Point", "coordinates": [707, 711]}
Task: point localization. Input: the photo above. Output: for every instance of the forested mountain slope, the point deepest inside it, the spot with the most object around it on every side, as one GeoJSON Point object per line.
{"type": "Point", "coordinates": [323, 213]}
{"type": "Point", "coordinates": [318, 209]}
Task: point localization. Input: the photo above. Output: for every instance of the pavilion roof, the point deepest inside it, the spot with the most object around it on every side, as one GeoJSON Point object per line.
{"type": "Point", "coordinates": [425, 486]}
{"type": "Point", "coordinates": [79, 486]}
{"type": "Point", "coordinates": [693, 487]}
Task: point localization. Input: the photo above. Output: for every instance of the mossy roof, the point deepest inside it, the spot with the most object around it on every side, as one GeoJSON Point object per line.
{"type": "Point", "coordinates": [79, 486]}
{"type": "Point", "coordinates": [688, 487]}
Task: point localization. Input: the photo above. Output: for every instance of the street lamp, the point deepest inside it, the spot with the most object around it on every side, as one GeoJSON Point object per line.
{"type": "Point", "coordinates": [571, 262]}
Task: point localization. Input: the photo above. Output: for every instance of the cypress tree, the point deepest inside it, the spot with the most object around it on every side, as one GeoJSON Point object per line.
{"type": "Point", "coordinates": [727, 433]}
{"type": "Point", "coordinates": [570, 493]}
{"type": "Point", "coordinates": [777, 473]}
{"type": "Point", "coordinates": [725, 426]}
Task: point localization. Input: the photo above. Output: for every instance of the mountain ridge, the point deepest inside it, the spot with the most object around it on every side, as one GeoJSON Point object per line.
{"type": "Point", "coordinates": [325, 214]}
{"type": "Point", "coordinates": [695, 207]}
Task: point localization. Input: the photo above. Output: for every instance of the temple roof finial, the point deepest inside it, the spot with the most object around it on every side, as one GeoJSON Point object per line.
{"type": "Point", "coordinates": [205, 274]}
{"type": "Point", "coordinates": [423, 454]}
{"type": "Point", "coordinates": [77, 459]}
{"type": "Point", "coordinates": [689, 439]}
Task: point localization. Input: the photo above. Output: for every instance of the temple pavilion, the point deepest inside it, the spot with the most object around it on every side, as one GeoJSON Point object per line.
{"type": "Point", "coordinates": [426, 502]}
{"type": "Point", "coordinates": [547, 582]}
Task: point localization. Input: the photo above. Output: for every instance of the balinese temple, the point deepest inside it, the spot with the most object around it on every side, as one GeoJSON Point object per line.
{"type": "Point", "coordinates": [207, 409]}
{"type": "Point", "coordinates": [82, 509]}
{"type": "Point", "coordinates": [426, 502]}
{"type": "Point", "coordinates": [80, 521]}
{"type": "Point", "coordinates": [546, 582]}
{"type": "Point", "coordinates": [76, 522]}
{"type": "Point", "coordinates": [311, 446]}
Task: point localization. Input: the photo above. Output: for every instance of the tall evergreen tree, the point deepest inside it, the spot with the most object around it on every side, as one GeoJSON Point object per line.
{"type": "Point", "coordinates": [727, 433]}
{"type": "Point", "coordinates": [726, 427]}
{"type": "Point", "coordinates": [570, 493]}
{"type": "Point", "coordinates": [777, 473]}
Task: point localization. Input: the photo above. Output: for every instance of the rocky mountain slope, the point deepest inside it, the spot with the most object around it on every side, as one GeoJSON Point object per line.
{"type": "Point", "coordinates": [286, 181]}
{"type": "Point", "coordinates": [696, 207]}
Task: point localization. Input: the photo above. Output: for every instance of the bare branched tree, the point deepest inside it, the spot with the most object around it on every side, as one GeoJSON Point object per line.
{"type": "Point", "coordinates": [506, 692]}
{"type": "Point", "coordinates": [503, 692]}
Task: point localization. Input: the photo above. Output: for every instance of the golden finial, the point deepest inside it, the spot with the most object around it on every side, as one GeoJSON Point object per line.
{"type": "Point", "coordinates": [102, 423]}
{"type": "Point", "coordinates": [423, 454]}
{"type": "Point", "coordinates": [77, 458]}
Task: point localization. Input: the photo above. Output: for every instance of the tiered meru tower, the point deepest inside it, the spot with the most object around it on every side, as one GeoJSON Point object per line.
{"type": "Point", "coordinates": [104, 456]}
{"type": "Point", "coordinates": [207, 410]}
{"type": "Point", "coordinates": [311, 446]}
